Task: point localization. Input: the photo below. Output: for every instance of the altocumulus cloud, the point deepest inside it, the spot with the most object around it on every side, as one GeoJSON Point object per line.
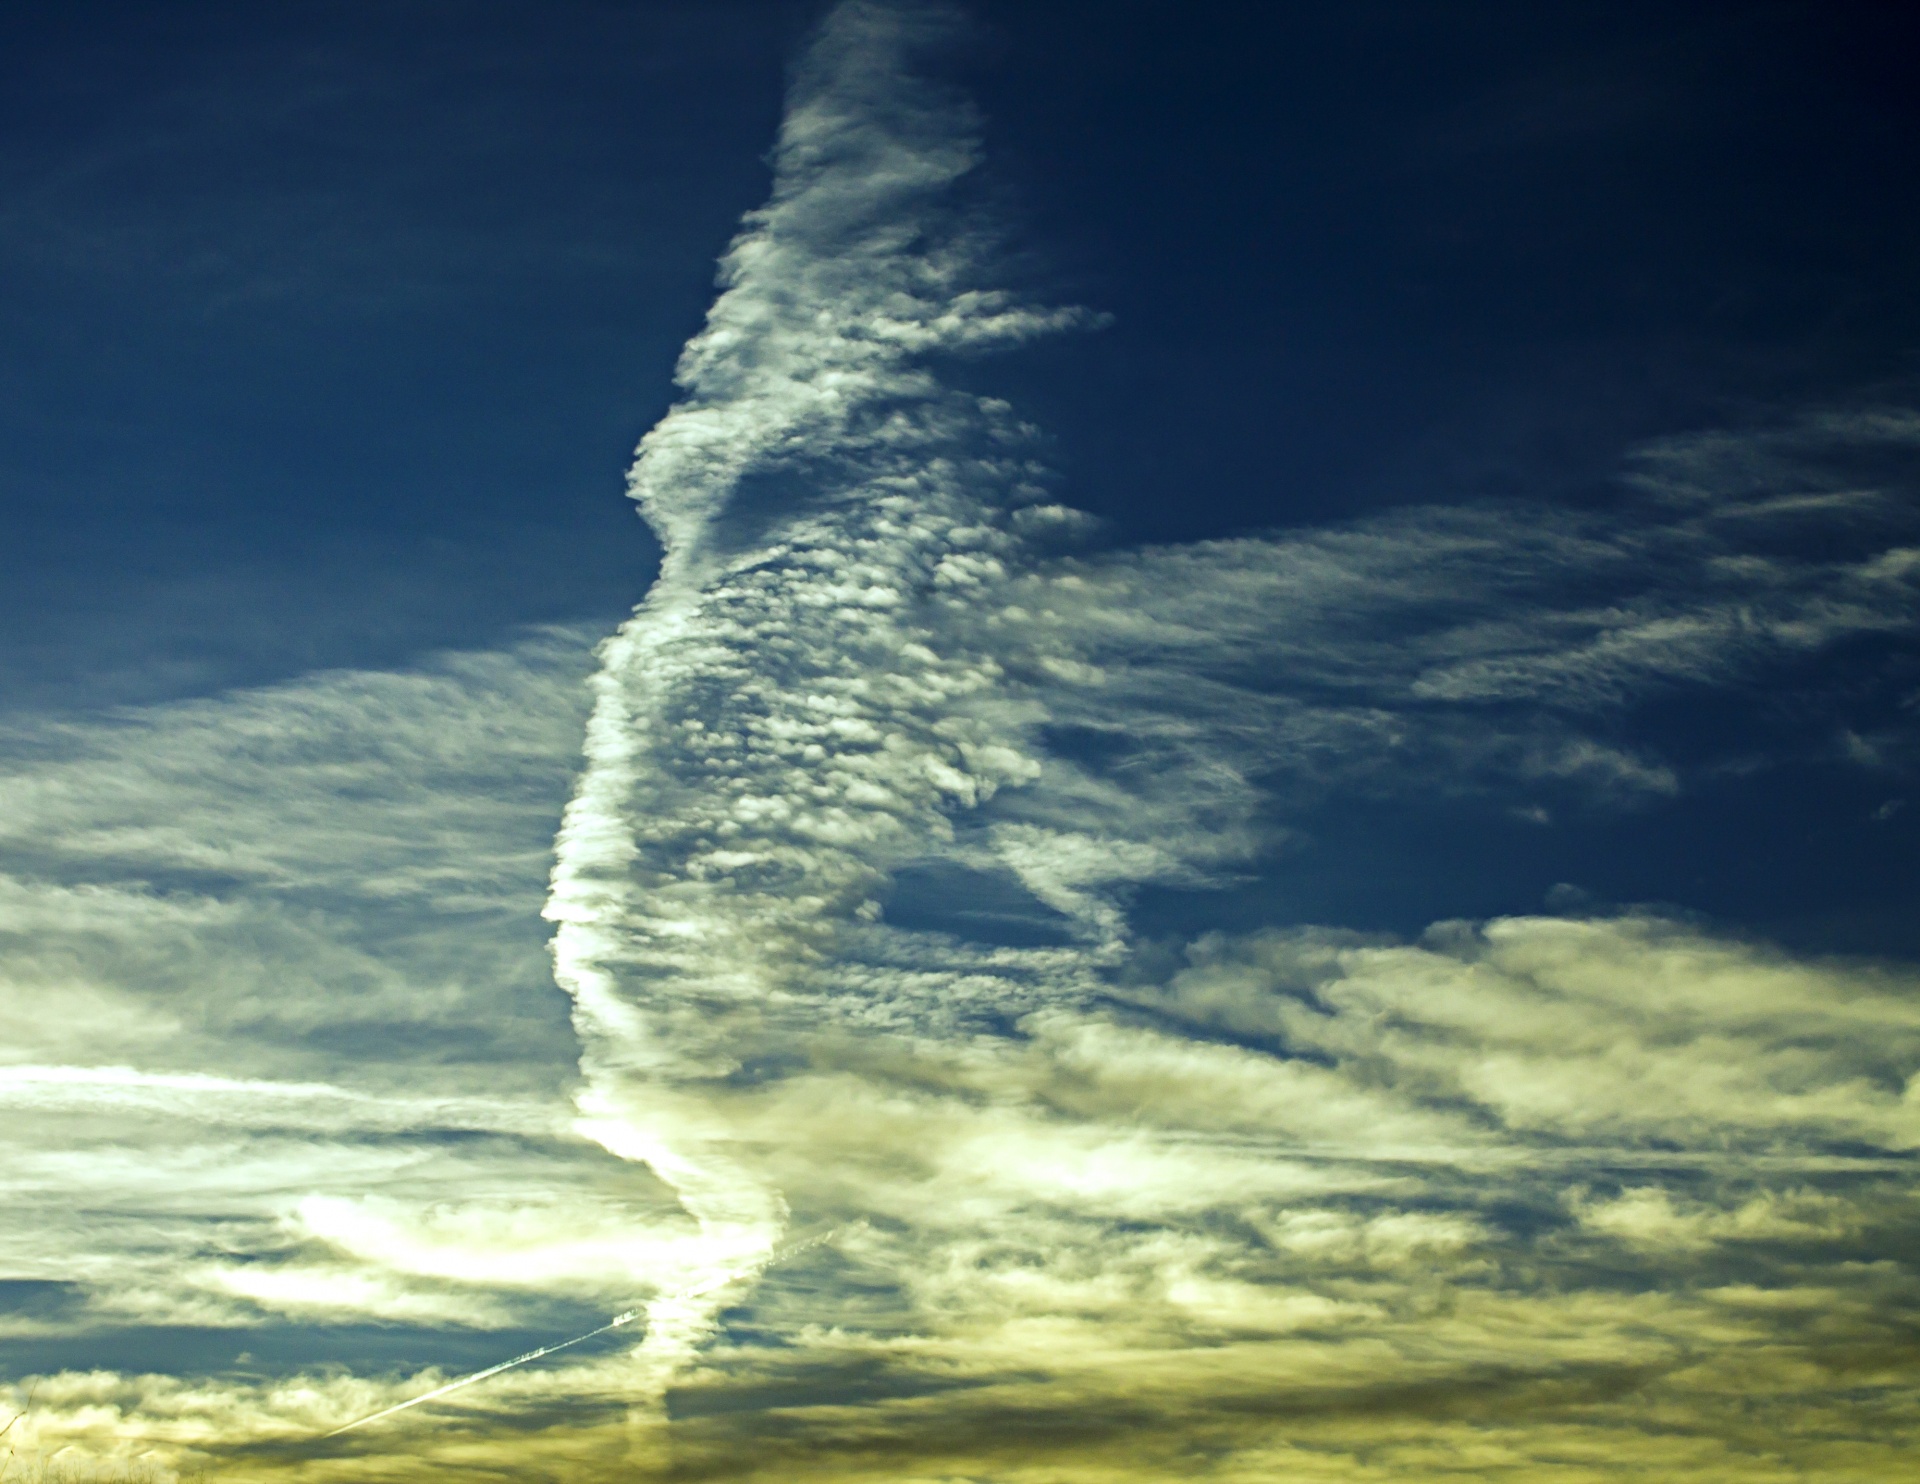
{"type": "Point", "coordinates": [842, 903]}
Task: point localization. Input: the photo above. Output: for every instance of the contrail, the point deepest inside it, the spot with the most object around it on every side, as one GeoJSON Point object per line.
{"type": "Point", "coordinates": [492, 1370]}
{"type": "Point", "coordinates": [778, 1255]}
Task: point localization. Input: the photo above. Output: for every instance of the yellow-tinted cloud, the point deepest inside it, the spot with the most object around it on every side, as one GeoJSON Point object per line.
{"type": "Point", "coordinates": [1539, 1198]}
{"type": "Point", "coordinates": [1067, 1262]}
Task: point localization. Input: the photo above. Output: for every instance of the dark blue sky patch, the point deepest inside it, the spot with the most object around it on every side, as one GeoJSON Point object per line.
{"type": "Point", "coordinates": [41, 1298]}
{"type": "Point", "coordinates": [985, 907]}
{"type": "Point", "coordinates": [281, 1349]}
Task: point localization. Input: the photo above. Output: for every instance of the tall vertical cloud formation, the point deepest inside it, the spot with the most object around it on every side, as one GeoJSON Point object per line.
{"type": "Point", "coordinates": [779, 722]}
{"type": "Point", "coordinates": [860, 667]}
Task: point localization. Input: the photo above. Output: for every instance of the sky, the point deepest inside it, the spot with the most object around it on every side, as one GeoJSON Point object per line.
{"type": "Point", "coordinates": [1029, 742]}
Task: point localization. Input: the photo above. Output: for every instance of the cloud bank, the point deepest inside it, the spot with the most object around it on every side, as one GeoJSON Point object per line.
{"type": "Point", "coordinates": [843, 903]}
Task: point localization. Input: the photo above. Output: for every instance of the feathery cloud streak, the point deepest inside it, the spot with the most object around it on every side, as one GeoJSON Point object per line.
{"type": "Point", "coordinates": [843, 904]}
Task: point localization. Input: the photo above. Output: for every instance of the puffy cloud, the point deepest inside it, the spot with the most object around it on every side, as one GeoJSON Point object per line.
{"type": "Point", "coordinates": [1569, 1193]}
{"type": "Point", "coordinates": [843, 902]}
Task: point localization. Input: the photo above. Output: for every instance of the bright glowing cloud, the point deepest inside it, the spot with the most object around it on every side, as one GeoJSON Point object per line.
{"type": "Point", "coordinates": [845, 904]}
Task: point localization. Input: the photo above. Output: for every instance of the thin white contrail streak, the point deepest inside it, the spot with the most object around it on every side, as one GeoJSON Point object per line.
{"type": "Point", "coordinates": [780, 1255]}
{"type": "Point", "coordinates": [492, 1370]}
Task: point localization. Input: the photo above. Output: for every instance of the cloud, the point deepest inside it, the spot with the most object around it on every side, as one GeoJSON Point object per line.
{"type": "Point", "coordinates": [386, 833]}
{"type": "Point", "coordinates": [1464, 649]}
{"type": "Point", "coordinates": [1627, 1031]}
{"type": "Point", "coordinates": [1304, 1192]}
{"type": "Point", "coordinates": [874, 774]}
{"type": "Point", "coordinates": [844, 906]}
{"type": "Point", "coordinates": [1377, 1199]}
{"type": "Point", "coordinates": [383, 785]}
{"type": "Point", "coordinates": [280, 948]}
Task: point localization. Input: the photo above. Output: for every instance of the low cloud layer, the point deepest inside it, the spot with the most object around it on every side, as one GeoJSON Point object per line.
{"type": "Point", "coordinates": [844, 907]}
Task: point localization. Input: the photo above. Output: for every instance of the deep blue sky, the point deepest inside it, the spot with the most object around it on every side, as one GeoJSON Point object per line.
{"type": "Point", "coordinates": [330, 327]}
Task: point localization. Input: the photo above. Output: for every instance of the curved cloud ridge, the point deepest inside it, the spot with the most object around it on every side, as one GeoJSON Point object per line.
{"type": "Point", "coordinates": [788, 716]}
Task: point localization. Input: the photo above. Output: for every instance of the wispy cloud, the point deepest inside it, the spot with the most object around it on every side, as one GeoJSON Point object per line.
{"type": "Point", "coordinates": [273, 955]}
{"type": "Point", "coordinates": [843, 902]}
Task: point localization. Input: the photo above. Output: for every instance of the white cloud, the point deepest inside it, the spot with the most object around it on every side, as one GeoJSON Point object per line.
{"type": "Point", "coordinates": [1626, 1030]}
{"type": "Point", "coordinates": [431, 787]}
{"type": "Point", "coordinates": [275, 946]}
{"type": "Point", "coordinates": [862, 662]}
{"type": "Point", "coordinates": [868, 720]}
